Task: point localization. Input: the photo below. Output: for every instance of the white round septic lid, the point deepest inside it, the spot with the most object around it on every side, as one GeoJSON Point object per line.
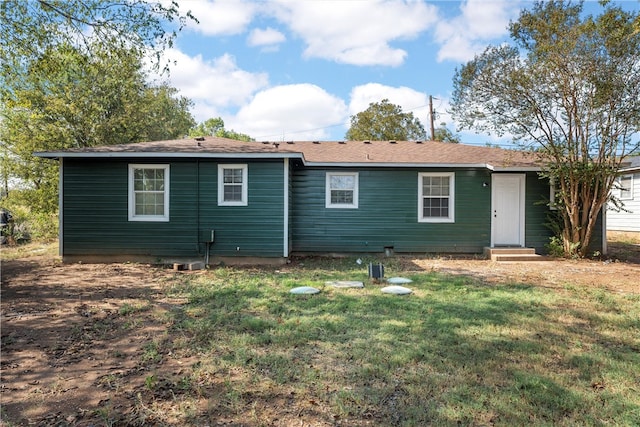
{"type": "Point", "coordinates": [396, 290]}
{"type": "Point", "coordinates": [304, 290]}
{"type": "Point", "coordinates": [399, 280]}
{"type": "Point", "coordinates": [345, 284]}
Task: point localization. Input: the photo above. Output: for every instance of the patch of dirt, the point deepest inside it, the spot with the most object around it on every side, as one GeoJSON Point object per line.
{"type": "Point", "coordinates": [615, 276]}
{"type": "Point", "coordinates": [66, 345]}
{"type": "Point", "coordinates": [71, 358]}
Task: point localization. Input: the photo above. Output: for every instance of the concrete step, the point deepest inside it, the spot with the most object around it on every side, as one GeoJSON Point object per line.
{"type": "Point", "coordinates": [512, 254]}
{"type": "Point", "coordinates": [506, 250]}
{"type": "Point", "coordinates": [518, 257]}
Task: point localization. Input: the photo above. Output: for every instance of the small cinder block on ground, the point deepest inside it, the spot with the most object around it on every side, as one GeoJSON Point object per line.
{"type": "Point", "coordinates": [196, 265]}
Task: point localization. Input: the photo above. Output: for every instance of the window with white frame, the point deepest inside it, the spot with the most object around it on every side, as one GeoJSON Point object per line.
{"type": "Point", "coordinates": [148, 192]}
{"type": "Point", "coordinates": [232, 185]}
{"type": "Point", "coordinates": [625, 187]}
{"type": "Point", "coordinates": [436, 197]}
{"type": "Point", "coordinates": [342, 190]}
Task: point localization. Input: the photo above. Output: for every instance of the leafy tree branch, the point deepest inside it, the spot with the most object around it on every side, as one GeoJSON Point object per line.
{"type": "Point", "coordinates": [567, 88]}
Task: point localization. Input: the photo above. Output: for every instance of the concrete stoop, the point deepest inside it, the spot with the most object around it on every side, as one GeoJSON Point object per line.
{"type": "Point", "coordinates": [513, 254]}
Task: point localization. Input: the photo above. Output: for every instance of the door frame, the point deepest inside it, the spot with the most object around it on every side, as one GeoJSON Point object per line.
{"type": "Point", "coordinates": [520, 202]}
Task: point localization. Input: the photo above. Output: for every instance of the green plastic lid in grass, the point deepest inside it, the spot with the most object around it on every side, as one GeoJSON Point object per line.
{"type": "Point", "coordinates": [396, 290]}
{"type": "Point", "coordinates": [304, 290]}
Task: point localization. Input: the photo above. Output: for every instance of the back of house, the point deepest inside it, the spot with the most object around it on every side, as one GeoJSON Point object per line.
{"type": "Point", "coordinates": [219, 199]}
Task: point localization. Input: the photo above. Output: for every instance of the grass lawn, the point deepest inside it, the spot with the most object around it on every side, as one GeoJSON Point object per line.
{"type": "Point", "coordinates": [231, 346]}
{"type": "Point", "coordinates": [455, 352]}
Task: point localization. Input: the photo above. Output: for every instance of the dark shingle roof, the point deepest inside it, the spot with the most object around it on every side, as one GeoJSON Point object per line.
{"type": "Point", "coordinates": [340, 153]}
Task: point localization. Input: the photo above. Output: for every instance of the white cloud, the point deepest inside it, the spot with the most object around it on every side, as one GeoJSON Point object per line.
{"type": "Point", "coordinates": [356, 32]}
{"type": "Point", "coordinates": [219, 17]}
{"type": "Point", "coordinates": [289, 112]}
{"type": "Point", "coordinates": [220, 89]}
{"type": "Point", "coordinates": [266, 37]}
{"type": "Point", "coordinates": [469, 33]}
{"type": "Point", "coordinates": [214, 85]}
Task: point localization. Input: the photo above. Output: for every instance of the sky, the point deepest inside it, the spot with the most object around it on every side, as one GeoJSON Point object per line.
{"type": "Point", "coordinates": [299, 69]}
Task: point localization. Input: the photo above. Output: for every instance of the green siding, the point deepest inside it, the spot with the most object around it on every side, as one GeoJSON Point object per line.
{"type": "Point", "coordinates": [95, 216]}
{"type": "Point", "coordinates": [256, 229]}
{"type": "Point", "coordinates": [537, 212]}
{"type": "Point", "coordinates": [96, 212]}
{"type": "Point", "coordinates": [596, 244]}
{"type": "Point", "coordinates": [537, 233]}
{"type": "Point", "coordinates": [387, 214]}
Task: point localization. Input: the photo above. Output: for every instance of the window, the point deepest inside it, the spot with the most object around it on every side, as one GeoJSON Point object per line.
{"type": "Point", "coordinates": [436, 197]}
{"type": "Point", "coordinates": [342, 190]}
{"type": "Point", "coordinates": [232, 185]}
{"type": "Point", "coordinates": [625, 187]}
{"type": "Point", "coordinates": [148, 192]}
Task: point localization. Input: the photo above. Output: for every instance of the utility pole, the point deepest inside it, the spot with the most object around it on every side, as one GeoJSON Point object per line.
{"type": "Point", "coordinates": [431, 114]}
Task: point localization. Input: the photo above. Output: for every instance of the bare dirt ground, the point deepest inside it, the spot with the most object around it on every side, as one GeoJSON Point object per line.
{"type": "Point", "coordinates": [67, 348]}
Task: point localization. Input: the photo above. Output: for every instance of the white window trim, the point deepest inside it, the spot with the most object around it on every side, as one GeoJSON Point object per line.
{"type": "Point", "coordinates": [132, 198]}
{"type": "Point", "coordinates": [452, 192]}
{"type": "Point", "coordinates": [356, 185]}
{"type": "Point", "coordinates": [245, 185]}
{"type": "Point", "coordinates": [619, 183]}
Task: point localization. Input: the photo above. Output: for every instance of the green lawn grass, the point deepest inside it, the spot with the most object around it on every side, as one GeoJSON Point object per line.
{"type": "Point", "coordinates": [455, 352]}
{"type": "Point", "coordinates": [10, 252]}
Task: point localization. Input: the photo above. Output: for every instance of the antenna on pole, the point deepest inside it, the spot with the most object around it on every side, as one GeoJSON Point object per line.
{"type": "Point", "coordinates": [431, 115]}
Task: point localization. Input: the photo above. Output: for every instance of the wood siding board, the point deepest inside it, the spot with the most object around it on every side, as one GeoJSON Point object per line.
{"type": "Point", "coordinates": [96, 210]}
{"type": "Point", "coordinates": [537, 212]}
{"type": "Point", "coordinates": [257, 229]}
{"type": "Point", "coordinates": [627, 221]}
{"type": "Point", "coordinates": [95, 203]}
{"type": "Point", "coordinates": [387, 214]}
{"type": "Point", "coordinates": [538, 215]}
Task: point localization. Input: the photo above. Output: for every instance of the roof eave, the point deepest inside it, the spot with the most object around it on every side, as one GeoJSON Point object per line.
{"type": "Point", "coordinates": [290, 155]}
{"type": "Point", "coordinates": [515, 169]}
{"type": "Point", "coordinates": [122, 154]}
{"type": "Point", "coordinates": [426, 165]}
{"type": "Point", "coordinates": [629, 170]}
{"type": "Point", "coordinates": [394, 164]}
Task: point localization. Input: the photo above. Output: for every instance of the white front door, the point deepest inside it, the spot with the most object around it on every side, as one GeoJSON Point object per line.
{"type": "Point", "coordinates": [507, 209]}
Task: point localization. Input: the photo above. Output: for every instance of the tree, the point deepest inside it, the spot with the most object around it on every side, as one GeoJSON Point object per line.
{"type": "Point", "coordinates": [383, 121]}
{"type": "Point", "coordinates": [215, 127]}
{"type": "Point", "coordinates": [163, 114]}
{"type": "Point", "coordinates": [85, 100]}
{"type": "Point", "coordinates": [32, 27]}
{"type": "Point", "coordinates": [567, 88]}
{"type": "Point", "coordinates": [443, 134]}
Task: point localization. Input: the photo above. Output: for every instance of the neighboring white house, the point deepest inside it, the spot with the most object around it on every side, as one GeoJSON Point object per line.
{"type": "Point", "coordinates": [629, 194]}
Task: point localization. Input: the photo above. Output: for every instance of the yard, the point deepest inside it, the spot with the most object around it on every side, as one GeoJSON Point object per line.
{"type": "Point", "coordinates": [477, 343]}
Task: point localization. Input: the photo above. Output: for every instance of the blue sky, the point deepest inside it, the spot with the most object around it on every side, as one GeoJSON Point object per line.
{"type": "Point", "coordinates": [298, 70]}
